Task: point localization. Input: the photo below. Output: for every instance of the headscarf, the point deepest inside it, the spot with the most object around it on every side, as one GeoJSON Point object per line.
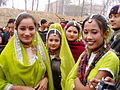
{"type": "Point", "coordinates": [67, 61]}
{"type": "Point", "coordinates": [15, 57]}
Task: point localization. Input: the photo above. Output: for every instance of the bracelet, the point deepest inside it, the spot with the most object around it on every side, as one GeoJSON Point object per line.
{"type": "Point", "coordinates": [9, 87]}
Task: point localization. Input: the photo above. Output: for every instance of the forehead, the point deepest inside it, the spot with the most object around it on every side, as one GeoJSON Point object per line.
{"type": "Point", "coordinates": [26, 21]}
{"type": "Point", "coordinates": [10, 24]}
{"type": "Point", "coordinates": [53, 36]}
{"type": "Point", "coordinates": [92, 24]}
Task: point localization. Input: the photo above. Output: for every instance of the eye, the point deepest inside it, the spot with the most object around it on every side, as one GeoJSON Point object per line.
{"type": "Point", "coordinates": [69, 31]}
{"type": "Point", "coordinates": [94, 31]}
{"type": "Point", "coordinates": [75, 32]}
{"type": "Point", "coordinates": [31, 28]}
{"type": "Point", "coordinates": [22, 28]}
{"type": "Point", "coordinates": [56, 40]}
{"type": "Point", "coordinates": [85, 32]}
{"type": "Point", "coordinates": [50, 40]}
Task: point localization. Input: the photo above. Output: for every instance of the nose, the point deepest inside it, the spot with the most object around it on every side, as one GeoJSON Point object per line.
{"type": "Point", "coordinates": [27, 32]}
{"type": "Point", "coordinates": [71, 33]}
{"type": "Point", "coordinates": [53, 42]}
{"type": "Point", "coordinates": [89, 37]}
{"type": "Point", "coordinates": [111, 19]}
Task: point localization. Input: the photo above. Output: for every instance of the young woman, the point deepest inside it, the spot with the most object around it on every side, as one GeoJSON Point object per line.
{"type": "Point", "coordinates": [98, 60]}
{"type": "Point", "coordinates": [24, 63]}
{"type": "Point", "coordinates": [53, 44]}
{"type": "Point", "coordinates": [61, 57]}
{"type": "Point", "coordinates": [73, 35]}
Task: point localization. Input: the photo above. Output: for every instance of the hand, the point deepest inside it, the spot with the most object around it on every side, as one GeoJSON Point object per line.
{"type": "Point", "coordinates": [22, 88]}
{"type": "Point", "coordinates": [42, 85]}
{"type": "Point", "coordinates": [108, 79]}
{"type": "Point", "coordinates": [93, 83]}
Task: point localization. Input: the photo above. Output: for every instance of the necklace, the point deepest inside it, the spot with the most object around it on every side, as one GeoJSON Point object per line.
{"type": "Point", "coordinates": [33, 48]}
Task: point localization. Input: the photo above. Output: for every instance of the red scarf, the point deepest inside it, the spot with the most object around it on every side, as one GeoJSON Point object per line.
{"type": "Point", "coordinates": [76, 48]}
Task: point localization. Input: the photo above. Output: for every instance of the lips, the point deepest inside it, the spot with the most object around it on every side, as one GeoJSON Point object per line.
{"type": "Point", "coordinates": [26, 38]}
{"type": "Point", "coordinates": [90, 43]}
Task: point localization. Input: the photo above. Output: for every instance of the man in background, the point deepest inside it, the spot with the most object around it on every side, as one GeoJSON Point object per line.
{"type": "Point", "coordinates": [114, 21]}
{"type": "Point", "coordinates": [43, 29]}
{"type": "Point", "coordinates": [11, 27]}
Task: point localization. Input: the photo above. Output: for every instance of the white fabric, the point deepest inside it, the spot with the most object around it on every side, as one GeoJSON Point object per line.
{"type": "Point", "coordinates": [9, 87]}
{"type": "Point", "coordinates": [90, 60]}
{"type": "Point", "coordinates": [31, 56]}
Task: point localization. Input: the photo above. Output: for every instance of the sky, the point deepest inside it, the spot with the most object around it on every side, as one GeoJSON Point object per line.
{"type": "Point", "coordinates": [20, 4]}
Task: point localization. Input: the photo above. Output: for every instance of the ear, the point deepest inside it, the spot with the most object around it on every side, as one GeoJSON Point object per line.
{"type": "Point", "coordinates": [106, 34]}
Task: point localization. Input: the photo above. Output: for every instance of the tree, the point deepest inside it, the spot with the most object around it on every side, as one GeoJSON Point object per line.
{"type": "Point", "coordinates": [32, 4]}
{"type": "Point", "coordinates": [91, 4]}
{"type": "Point", "coordinates": [83, 4]}
{"type": "Point", "coordinates": [3, 2]}
{"type": "Point", "coordinates": [48, 5]}
{"type": "Point", "coordinates": [12, 3]}
{"type": "Point", "coordinates": [25, 4]}
{"type": "Point", "coordinates": [37, 5]}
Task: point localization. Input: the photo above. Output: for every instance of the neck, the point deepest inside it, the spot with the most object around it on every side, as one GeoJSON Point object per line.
{"type": "Point", "coordinates": [42, 28]}
{"type": "Point", "coordinates": [98, 49]}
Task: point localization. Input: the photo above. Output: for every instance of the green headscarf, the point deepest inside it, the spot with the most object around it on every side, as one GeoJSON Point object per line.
{"type": "Point", "coordinates": [67, 61]}
{"type": "Point", "coordinates": [14, 67]}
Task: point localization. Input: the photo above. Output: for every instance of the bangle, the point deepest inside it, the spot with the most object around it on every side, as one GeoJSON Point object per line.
{"type": "Point", "coordinates": [9, 87]}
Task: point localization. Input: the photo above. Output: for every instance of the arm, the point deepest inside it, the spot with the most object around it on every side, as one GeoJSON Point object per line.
{"type": "Point", "coordinates": [79, 85]}
{"type": "Point", "coordinates": [22, 88]}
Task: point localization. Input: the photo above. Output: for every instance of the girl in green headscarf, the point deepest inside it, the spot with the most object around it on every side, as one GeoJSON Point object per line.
{"type": "Point", "coordinates": [98, 60]}
{"type": "Point", "coordinates": [62, 53]}
{"type": "Point", "coordinates": [24, 63]}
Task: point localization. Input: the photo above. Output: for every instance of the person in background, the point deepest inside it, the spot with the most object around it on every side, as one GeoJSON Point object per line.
{"type": "Point", "coordinates": [73, 35]}
{"type": "Point", "coordinates": [43, 29]}
{"type": "Point", "coordinates": [53, 44]}
{"type": "Point", "coordinates": [24, 62]}
{"type": "Point", "coordinates": [61, 58]}
{"type": "Point", "coordinates": [1, 39]}
{"type": "Point", "coordinates": [114, 21]}
{"type": "Point", "coordinates": [11, 28]}
{"type": "Point", "coordinates": [1, 36]}
{"type": "Point", "coordinates": [98, 60]}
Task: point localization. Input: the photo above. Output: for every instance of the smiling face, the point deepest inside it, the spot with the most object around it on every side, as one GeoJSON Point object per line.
{"type": "Point", "coordinates": [26, 31]}
{"type": "Point", "coordinates": [93, 35]}
{"type": "Point", "coordinates": [114, 20]}
{"type": "Point", "coordinates": [53, 42]}
{"type": "Point", "coordinates": [72, 33]}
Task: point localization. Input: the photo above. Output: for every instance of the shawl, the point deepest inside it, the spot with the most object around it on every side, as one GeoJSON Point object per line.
{"type": "Point", "coordinates": [67, 61]}
{"type": "Point", "coordinates": [82, 73]}
{"type": "Point", "coordinates": [76, 48]}
{"type": "Point", "coordinates": [14, 67]}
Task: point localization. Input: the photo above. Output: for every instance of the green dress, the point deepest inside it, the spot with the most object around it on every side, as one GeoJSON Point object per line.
{"type": "Point", "coordinates": [67, 61]}
{"type": "Point", "coordinates": [14, 67]}
{"type": "Point", "coordinates": [108, 62]}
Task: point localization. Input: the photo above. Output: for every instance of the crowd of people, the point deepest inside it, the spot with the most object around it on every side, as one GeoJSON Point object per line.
{"type": "Point", "coordinates": [60, 56]}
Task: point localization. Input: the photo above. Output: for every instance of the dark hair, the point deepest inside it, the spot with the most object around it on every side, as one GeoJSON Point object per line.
{"type": "Point", "coordinates": [24, 16]}
{"type": "Point", "coordinates": [73, 23]}
{"type": "Point", "coordinates": [101, 21]}
{"type": "Point", "coordinates": [43, 21]}
{"type": "Point", "coordinates": [114, 10]}
{"type": "Point", "coordinates": [52, 32]}
{"type": "Point", "coordinates": [1, 29]}
{"type": "Point", "coordinates": [11, 21]}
